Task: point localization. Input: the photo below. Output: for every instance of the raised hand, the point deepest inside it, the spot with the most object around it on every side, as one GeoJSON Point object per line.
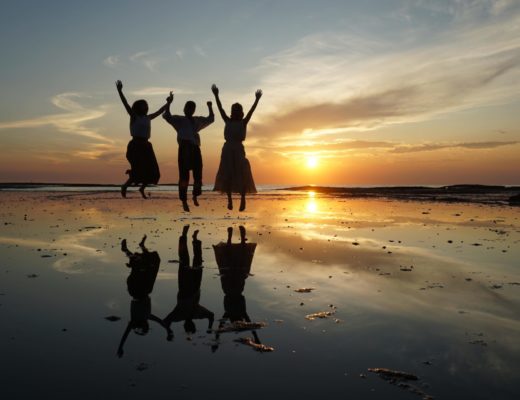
{"type": "Point", "coordinates": [258, 94]}
{"type": "Point", "coordinates": [119, 85]}
{"type": "Point", "coordinates": [214, 89]}
{"type": "Point", "coordinates": [209, 103]}
{"type": "Point", "coordinates": [169, 99]}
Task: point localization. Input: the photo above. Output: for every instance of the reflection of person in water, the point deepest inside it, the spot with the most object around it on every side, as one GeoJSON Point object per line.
{"type": "Point", "coordinates": [189, 279]}
{"type": "Point", "coordinates": [234, 263]}
{"type": "Point", "coordinates": [144, 268]}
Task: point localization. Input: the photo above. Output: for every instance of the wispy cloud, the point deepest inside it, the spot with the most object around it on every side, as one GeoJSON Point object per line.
{"type": "Point", "coordinates": [73, 121]}
{"type": "Point", "coordinates": [200, 51]}
{"type": "Point", "coordinates": [145, 58]}
{"type": "Point", "coordinates": [111, 61]}
{"type": "Point", "coordinates": [341, 147]}
{"type": "Point", "coordinates": [337, 81]}
{"type": "Point", "coordinates": [444, 146]}
{"type": "Point", "coordinates": [160, 91]}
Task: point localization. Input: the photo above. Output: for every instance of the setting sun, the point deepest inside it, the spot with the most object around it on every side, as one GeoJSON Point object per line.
{"type": "Point", "coordinates": [312, 162]}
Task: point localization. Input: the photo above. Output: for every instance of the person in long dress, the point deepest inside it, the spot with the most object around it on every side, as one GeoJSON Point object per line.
{"type": "Point", "coordinates": [234, 173]}
{"type": "Point", "coordinates": [234, 262]}
{"type": "Point", "coordinates": [144, 169]}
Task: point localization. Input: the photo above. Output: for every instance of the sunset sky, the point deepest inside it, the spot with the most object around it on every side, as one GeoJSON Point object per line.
{"type": "Point", "coordinates": [355, 92]}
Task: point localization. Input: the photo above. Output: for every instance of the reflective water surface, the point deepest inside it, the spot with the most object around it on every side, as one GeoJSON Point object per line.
{"type": "Point", "coordinates": [101, 296]}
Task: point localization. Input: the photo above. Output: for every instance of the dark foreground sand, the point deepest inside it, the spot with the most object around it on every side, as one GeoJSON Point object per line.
{"type": "Point", "coordinates": [426, 288]}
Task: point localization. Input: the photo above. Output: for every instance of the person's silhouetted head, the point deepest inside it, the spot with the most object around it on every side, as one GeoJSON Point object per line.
{"type": "Point", "coordinates": [189, 326]}
{"type": "Point", "coordinates": [189, 108]}
{"type": "Point", "coordinates": [237, 112]}
{"type": "Point", "coordinates": [140, 107]}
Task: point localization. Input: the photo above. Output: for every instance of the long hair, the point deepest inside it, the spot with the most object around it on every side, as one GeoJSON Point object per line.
{"type": "Point", "coordinates": [237, 112]}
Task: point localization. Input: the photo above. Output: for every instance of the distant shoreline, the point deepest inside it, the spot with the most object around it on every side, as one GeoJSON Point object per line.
{"type": "Point", "coordinates": [316, 188]}
{"type": "Point", "coordinates": [464, 193]}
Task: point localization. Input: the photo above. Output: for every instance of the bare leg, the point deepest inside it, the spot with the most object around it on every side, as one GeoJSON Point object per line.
{"type": "Point", "coordinates": [229, 201]}
{"type": "Point", "coordinates": [124, 186]}
{"type": "Point", "coordinates": [242, 234]}
{"type": "Point", "coordinates": [185, 229]}
{"type": "Point", "coordinates": [229, 235]}
{"type": "Point", "coordinates": [141, 190]}
{"type": "Point", "coordinates": [242, 202]}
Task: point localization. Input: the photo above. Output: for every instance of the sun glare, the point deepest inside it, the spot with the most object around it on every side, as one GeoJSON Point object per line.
{"type": "Point", "coordinates": [312, 162]}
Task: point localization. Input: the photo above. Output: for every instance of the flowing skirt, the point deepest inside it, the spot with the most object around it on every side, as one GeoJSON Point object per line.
{"type": "Point", "coordinates": [143, 164]}
{"type": "Point", "coordinates": [234, 172]}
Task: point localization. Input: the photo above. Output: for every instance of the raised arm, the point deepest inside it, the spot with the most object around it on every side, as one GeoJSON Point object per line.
{"type": "Point", "coordinates": [203, 122]}
{"type": "Point", "coordinates": [119, 86]}
{"type": "Point", "coordinates": [211, 114]}
{"type": "Point", "coordinates": [167, 114]}
{"type": "Point", "coordinates": [214, 89]}
{"type": "Point", "coordinates": [258, 94]}
{"type": "Point", "coordinates": [169, 99]}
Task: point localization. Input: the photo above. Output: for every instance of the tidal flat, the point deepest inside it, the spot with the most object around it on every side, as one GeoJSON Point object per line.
{"type": "Point", "coordinates": [302, 295]}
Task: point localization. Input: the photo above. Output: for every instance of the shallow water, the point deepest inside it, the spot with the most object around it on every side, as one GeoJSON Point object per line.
{"type": "Point", "coordinates": [429, 289]}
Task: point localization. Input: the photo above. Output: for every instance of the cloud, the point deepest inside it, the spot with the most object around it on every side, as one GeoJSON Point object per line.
{"type": "Point", "coordinates": [145, 58]}
{"type": "Point", "coordinates": [159, 91]}
{"type": "Point", "coordinates": [111, 61]}
{"type": "Point", "coordinates": [103, 152]}
{"type": "Point", "coordinates": [341, 147]}
{"type": "Point", "coordinates": [341, 81]}
{"type": "Point", "coordinates": [72, 121]}
{"type": "Point", "coordinates": [443, 146]}
{"type": "Point", "coordinates": [322, 147]}
{"type": "Point", "coordinates": [200, 51]}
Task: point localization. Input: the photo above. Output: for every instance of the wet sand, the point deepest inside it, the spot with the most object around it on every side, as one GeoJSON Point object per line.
{"type": "Point", "coordinates": [429, 289]}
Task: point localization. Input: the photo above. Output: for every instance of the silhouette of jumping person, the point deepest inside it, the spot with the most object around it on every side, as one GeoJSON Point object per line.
{"type": "Point", "coordinates": [189, 156]}
{"type": "Point", "coordinates": [188, 308]}
{"type": "Point", "coordinates": [234, 172]}
{"type": "Point", "coordinates": [144, 169]}
{"type": "Point", "coordinates": [234, 264]}
{"type": "Point", "coordinates": [143, 272]}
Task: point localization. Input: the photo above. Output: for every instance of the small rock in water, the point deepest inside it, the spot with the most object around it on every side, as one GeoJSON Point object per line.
{"type": "Point", "coordinates": [321, 315]}
{"type": "Point", "coordinates": [479, 342]}
{"type": "Point", "coordinates": [262, 348]}
{"type": "Point", "coordinates": [304, 290]}
{"type": "Point", "coordinates": [400, 379]}
{"type": "Point", "coordinates": [112, 318]}
{"type": "Point", "coordinates": [142, 367]}
{"type": "Point", "coordinates": [32, 276]}
{"type": "Point", "coordinates": [239, 326]}
{"type": "Point", "coordinates": [392, 374]}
